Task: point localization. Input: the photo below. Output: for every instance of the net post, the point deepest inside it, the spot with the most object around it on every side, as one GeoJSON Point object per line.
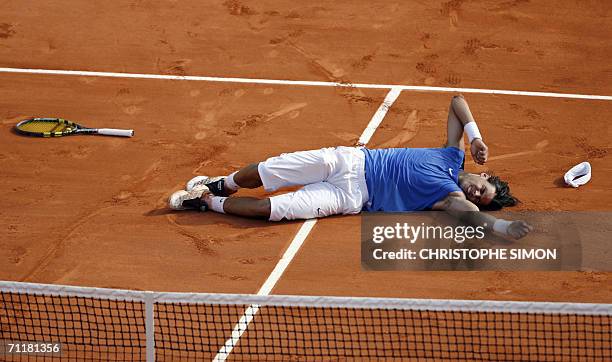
{"type": "Point", "coordinates": [149, 300]}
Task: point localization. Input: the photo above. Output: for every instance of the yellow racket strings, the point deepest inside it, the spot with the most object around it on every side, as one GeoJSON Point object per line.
{"type": "Point", "coordinates": [43, 126]}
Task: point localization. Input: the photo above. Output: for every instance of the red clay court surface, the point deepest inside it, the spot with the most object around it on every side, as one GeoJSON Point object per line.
{"type": "Point", "coordinates": [90, 211]}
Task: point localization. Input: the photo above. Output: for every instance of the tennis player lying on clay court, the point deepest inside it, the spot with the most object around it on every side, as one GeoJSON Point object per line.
{"type": "Point", "coordinates": [348, 180]}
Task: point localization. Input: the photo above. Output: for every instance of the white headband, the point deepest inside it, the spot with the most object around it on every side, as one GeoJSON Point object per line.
{"type": "Point", "coordinates": [578, 175]}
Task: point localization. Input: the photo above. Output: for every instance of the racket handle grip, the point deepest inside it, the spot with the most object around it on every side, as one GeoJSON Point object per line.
{"type": "Point", "coordinates": [116, 132]}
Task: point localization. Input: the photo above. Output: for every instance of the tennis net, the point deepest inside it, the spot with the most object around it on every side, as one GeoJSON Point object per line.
{"type": "Point", "coordinates": [107, 324]}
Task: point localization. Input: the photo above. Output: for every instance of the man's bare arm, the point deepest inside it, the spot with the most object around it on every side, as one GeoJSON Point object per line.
{"type": "Point", "coordinates": [454, 129]}
{"type": "Point", "coordinates": [460, 118]}
{"type": "Point", "coordinates": [462, 110]}
{"type": "Point", "coordinates": [458, 206]}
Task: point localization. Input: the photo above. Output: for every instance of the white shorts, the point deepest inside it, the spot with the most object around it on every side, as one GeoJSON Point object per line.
{"type": "Point", "coordinates": [334, 180]}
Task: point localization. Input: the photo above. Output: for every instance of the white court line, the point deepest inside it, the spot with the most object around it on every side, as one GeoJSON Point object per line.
{"type": "Point", "coordinates": [379, 116]}
{"type": "Point", "coordinates": [265, 289]}
{"type": "Point", "coordinates": [303, 83]}
{"type": "Point", "coordinates": [297, 241]}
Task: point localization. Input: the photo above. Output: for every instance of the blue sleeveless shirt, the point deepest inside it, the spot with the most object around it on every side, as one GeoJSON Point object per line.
{"type": "Point", "coordinates": [410, 179]}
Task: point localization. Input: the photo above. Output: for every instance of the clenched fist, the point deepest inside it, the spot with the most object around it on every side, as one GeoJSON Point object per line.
{"type": "Point", "coordinates": [480, 151]}
{"type": "Point", "coordinates": [518, 229]}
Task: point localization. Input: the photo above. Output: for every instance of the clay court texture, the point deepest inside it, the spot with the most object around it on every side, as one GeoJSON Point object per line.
{"type": "Point", "coordinates": [91, 211]}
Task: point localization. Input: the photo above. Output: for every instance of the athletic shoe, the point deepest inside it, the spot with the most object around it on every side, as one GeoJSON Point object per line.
{"type": "Point", "coordinates": [215, 184]}
{"type": "Point", "coordinates": [201, 180]}
{"type": "Point", "coordinates": [189, 200]}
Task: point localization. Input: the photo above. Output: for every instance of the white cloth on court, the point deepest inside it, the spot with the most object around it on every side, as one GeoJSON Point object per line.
{"type": "Point", "coordinates": [334, 180]}
{"type": "Point", "coordinates": [578, 175]}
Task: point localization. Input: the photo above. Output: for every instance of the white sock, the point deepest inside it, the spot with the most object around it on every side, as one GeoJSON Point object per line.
{"type": "Point", "coordinates": [215, 203]}
{"type": "Point", "coordinates": [230, 183]}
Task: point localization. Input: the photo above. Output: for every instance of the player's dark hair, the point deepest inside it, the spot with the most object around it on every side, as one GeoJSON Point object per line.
{"type": "Point", "coordinates": [503, 197]}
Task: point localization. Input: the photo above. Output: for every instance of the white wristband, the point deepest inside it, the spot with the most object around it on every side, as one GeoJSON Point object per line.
{"type": "Point", "coordinates": [472, 131]}
{"type": "Point", "coordinates": [501, 226]}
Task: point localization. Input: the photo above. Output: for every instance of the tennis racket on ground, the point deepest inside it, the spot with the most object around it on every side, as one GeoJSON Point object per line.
{"type": "Point", "coordinates": [57, 127]}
